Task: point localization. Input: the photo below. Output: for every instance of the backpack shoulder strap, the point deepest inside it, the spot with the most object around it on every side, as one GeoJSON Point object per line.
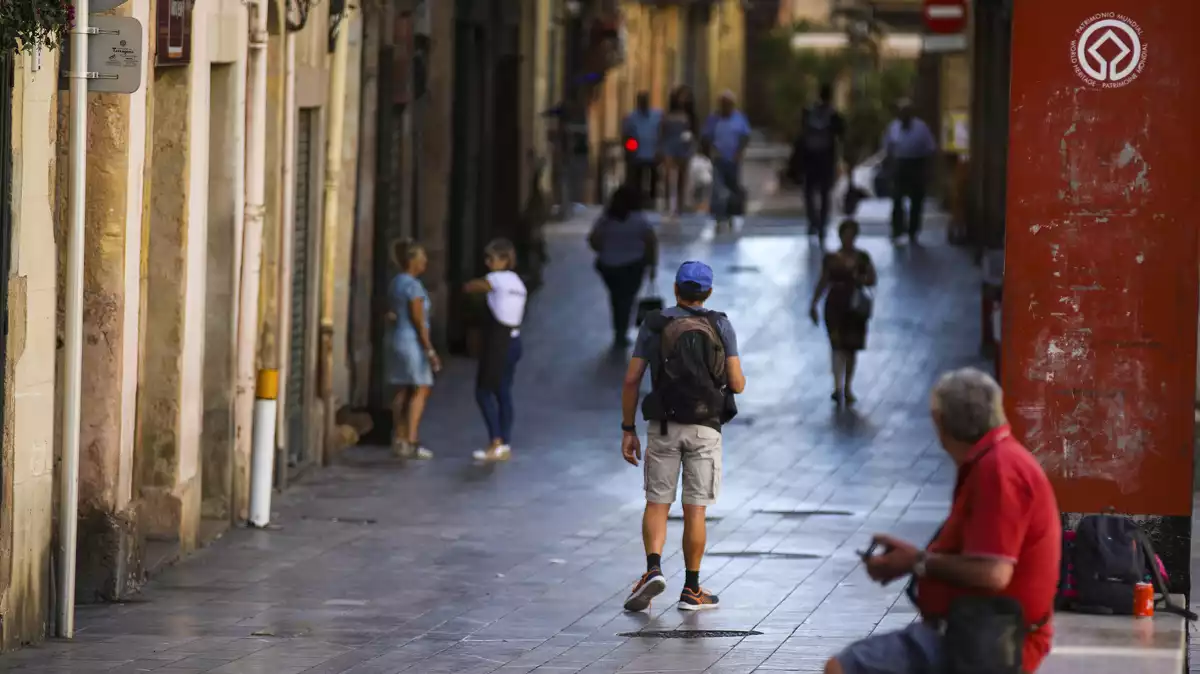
{"type": "Point", "coordinates": [1160, 583]}
{"type": "Point", "coordinates": [656, 321]}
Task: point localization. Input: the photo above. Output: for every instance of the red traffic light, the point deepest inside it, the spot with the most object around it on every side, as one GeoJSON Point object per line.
{"type": "Point", "coordinates": [631, 145]}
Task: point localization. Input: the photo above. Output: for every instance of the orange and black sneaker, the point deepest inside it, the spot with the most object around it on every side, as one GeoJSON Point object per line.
{"type": "Point", "coordinates": [647, 588]}
{"type": "Point", "coordinates": [691, 600]}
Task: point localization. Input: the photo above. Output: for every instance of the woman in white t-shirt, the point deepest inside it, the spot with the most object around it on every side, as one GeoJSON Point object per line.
{"type": "Point", "coordinates": [501, 349]}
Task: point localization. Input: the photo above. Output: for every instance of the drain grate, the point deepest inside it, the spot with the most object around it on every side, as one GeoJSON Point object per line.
{"type": "Point", "coordinates": [707, 518]}
{"type": "Point", "coordinates": [689, 634]}
{"type": "Point", "coordinates": [765, 555]}
{"type": "Point", "coordinates": [808, 513]}
{"type": "Point", "coordinates": [362, 521]}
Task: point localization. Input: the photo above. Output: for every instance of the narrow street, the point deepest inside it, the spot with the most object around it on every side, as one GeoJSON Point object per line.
{"type": "Point", "coordinates": [376, 567]}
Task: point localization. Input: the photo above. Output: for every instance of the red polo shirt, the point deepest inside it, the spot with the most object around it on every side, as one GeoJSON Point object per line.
{"type": "Point", "coordinates": [1004, 508]}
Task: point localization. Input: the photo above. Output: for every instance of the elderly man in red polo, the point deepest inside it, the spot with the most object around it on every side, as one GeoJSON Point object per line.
{"type": "Point", "coordinates": [1003, 538]}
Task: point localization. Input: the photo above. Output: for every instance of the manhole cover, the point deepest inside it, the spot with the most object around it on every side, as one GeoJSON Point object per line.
{"type": "Point", "coordinates": [808, 513]}
{"type": "Point", "coordinates": [765, 555]}
{"type": "Point", "coordinates": [689, 634]}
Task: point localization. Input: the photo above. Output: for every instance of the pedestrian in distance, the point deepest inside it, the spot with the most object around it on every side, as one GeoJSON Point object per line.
{"type": "Point", "coordinates": [642, 131]}
{"type": "Point", "coordinates": [847, 277]}
{"type": "Point", "coordinates": [985, 585]}
{"type": "Point", "coordinates": [626, 248]}
{"type": "Point", "coordinates": [695, 371]}
{"type": "Point", "coordinates": [724, 140]}
{"type": "Point", "coordinates": [506, 295]}
{"type": "Point", "coordinates": [411, 359]}
{"type": "Point", "coordinates": [909, 147]}
{"type": "Point", "coordinates": [816, 156]}
{"type": "Point", "coordinates": [679, 145]}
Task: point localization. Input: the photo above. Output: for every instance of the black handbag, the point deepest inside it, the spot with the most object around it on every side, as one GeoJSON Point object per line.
{"type": "Point", "coordinates": [650, 303]}
{"type": "Point", "coordinates": [984, 635]}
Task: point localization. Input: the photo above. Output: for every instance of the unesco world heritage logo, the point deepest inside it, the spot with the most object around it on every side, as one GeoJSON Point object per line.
{"type": "Point", "coordinates": [1108, 50]}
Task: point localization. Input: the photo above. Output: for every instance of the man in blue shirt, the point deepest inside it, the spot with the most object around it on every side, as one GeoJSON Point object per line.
{"type": "Point", "coordinates": [641, 131]}
{"type": "Point", "coordinates": [725, 137]}
{"type": "Point", "coordinates": [909, 146]}
{"type": "Point", "coordinates": [684, 426]}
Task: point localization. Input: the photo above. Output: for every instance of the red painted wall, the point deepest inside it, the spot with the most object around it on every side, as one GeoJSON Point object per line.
{"type": "Point", "coordinates": [1100, 296]}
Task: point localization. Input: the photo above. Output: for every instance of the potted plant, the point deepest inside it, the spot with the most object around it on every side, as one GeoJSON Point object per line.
{"type": "Point", "coordinates": [26, 25]}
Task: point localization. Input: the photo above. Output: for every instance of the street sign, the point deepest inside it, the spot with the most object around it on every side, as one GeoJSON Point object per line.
{"type": "Point", "coordinates": [945, 17]}
{"type": "Point", "coordinates": [114, 56]}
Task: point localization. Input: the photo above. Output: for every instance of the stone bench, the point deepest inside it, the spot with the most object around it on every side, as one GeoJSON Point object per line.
{"type": "Point", "coordinates": [1096, 644]}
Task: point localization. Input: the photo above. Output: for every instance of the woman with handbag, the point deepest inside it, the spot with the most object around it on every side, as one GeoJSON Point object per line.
{"type": "Point", "coordinates": [847, 277]}
{"type": "Point", "coordinates": [625, 246]}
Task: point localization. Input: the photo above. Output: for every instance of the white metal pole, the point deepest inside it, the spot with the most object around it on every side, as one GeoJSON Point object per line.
{"type": "Point", "coordinates": [262, 461]}
{"type": "Point", "coordinates": [73, 342]}
{"type": "Point", "coordinates": [252, 233]}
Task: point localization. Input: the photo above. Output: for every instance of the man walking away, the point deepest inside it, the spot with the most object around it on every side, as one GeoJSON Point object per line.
{"type": "Point", "coordinates": [909, 146]}
{"type": "Point", "coordinates": [694, 371]}
{"type": "Point", "coordinates": [822, 132]}
{"type": "Point", "coordinates": [726, 135]}
{"type": "Point", "coordinates": [642, 130]}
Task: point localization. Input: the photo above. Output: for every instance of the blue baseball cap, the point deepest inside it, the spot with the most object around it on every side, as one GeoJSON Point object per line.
{"type": "Point", "coordinates": [695, 273]}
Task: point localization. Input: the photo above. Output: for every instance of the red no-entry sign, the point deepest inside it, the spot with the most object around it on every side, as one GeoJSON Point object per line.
{"type": "Point", "coordinates": [945, 17]}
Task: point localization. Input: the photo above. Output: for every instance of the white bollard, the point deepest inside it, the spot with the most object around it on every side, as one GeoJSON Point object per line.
{"type": "Point", "coordinates": [262, 456]}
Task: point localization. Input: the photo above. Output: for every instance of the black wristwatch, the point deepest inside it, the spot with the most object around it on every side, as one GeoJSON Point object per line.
{"type": "Point", "coordinates": [631, 428]}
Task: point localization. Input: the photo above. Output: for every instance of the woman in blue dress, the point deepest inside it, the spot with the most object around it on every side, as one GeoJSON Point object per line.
{"type": "Point", "coordinates": [412, 360]}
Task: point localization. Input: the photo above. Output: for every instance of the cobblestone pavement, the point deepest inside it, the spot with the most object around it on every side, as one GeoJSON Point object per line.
{"type": "Point", "coordinates": [379, 567]}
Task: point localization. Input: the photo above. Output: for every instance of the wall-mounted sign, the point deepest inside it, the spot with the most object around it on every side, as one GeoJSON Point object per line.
{"type": "Point", "coordinates": [173, 33]}
{"type": "Point", "coordinates": [114, 56]}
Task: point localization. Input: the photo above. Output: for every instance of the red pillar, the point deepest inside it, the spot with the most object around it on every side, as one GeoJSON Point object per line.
{"type": "Point", "coordinates": [1100, 297]}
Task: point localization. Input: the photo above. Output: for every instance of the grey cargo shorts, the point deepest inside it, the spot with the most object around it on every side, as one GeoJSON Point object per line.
{"type": "Point", "coordinates": [696, 450]}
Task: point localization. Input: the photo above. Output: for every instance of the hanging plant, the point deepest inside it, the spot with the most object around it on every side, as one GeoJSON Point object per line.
{"type": "Point", "coordinates": [26, 25]}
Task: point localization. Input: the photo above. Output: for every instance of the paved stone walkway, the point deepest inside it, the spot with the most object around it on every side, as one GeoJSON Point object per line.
{"type": "Point", "coordinates": [380, 568]}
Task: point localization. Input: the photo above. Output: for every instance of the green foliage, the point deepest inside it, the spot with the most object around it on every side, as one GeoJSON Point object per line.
{"type": "Point", "coordinates": [26, 25]}
{"type": "Point", "coordinates": [792, 78]}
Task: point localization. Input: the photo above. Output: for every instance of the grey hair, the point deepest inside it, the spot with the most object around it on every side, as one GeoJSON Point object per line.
{"type": "Point", "coordinates": [968, 404]}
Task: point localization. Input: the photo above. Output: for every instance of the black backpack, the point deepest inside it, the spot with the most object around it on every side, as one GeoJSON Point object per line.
{"type": "Point", "coordinates": [688, 377]}
{"type": "Point", "coordinates": [1108, 557]}
{"type": "Point", "coordinates": [817, 136]}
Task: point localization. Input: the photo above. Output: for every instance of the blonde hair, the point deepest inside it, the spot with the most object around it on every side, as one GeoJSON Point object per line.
{"type": "Point", "coordinates": [502, 249]}
{"type": "Point", "coordinates": [404, 251]}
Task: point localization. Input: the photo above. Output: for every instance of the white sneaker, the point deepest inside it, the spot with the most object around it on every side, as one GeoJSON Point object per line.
{"type": "Point", "coordinates": [499, 453]}
{"type": "Point", "coordinates": [406, 450]}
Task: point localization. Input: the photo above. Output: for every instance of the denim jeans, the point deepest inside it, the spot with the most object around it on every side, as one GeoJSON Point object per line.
{"type": "Point", "coordinates": [497, 406]}
{"type": "Point", "coordinates": [727, 182]}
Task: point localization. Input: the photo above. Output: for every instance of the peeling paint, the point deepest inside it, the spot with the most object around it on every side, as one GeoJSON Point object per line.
{"type": "Point", "coordinates": [1141, 257]}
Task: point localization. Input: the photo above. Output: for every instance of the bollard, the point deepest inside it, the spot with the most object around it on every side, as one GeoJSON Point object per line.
{"type": "Point", "coordinates": [262, 457]}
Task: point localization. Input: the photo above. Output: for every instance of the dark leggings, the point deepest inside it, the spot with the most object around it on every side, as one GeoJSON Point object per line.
{"type": "Point", "coordinates": [497, 406]}
{"type": "Point", "coordinates": [623, 284]}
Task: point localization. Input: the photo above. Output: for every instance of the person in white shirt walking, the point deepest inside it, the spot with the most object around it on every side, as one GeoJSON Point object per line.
{"type": "Point", "coordinates": [506, 295]}
{"type": "Point", "coordinates": [909, 146]}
